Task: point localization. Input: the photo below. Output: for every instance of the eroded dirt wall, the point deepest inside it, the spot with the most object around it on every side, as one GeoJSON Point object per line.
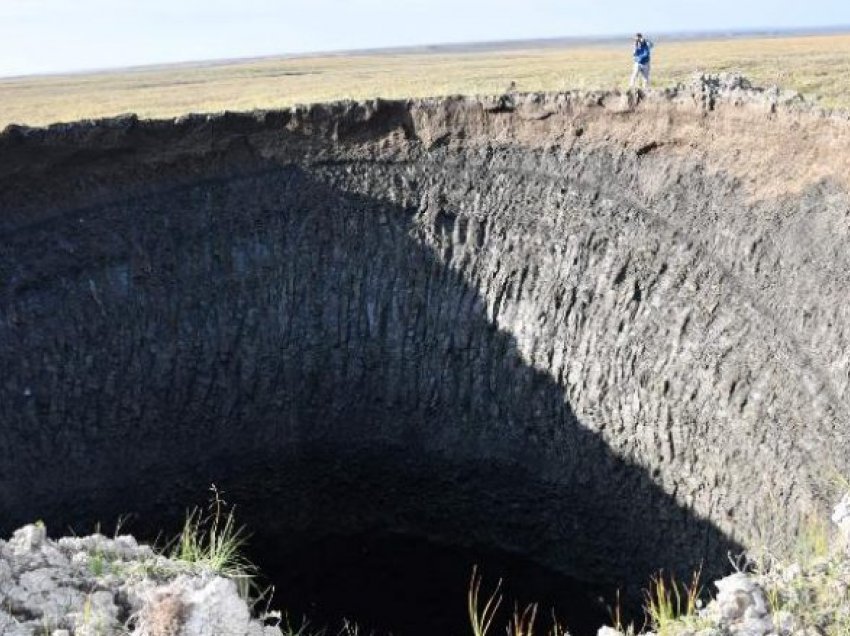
{"type": "Point", "coordinates": [566, 326]}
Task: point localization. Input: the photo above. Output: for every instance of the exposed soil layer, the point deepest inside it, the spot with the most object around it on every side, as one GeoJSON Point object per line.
{"type": "Point", "coordinates": [606, 333]}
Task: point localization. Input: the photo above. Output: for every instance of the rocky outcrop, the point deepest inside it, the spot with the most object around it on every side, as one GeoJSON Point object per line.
{"type": "Point", "coordinates": [606, 331]}
{"type": "Point", "coordinates": [803, 596]}
{"type": "Point", "coordinates": [96, 586]}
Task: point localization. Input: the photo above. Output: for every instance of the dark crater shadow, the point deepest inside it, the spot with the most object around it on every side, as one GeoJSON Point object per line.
{"type": "Point", "coordinates": [400, 584]}
{"type": "Point", "coordinates": [298, 346]}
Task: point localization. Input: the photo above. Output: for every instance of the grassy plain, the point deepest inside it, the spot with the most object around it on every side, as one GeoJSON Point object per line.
{"type": "Point", "coordinates": [814, 65]}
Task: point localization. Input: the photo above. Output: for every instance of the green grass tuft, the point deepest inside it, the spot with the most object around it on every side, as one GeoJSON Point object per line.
{"type": "Point", "coordinates": [668, 604]}
{"type": "Point", "coordinates": [212, 540]}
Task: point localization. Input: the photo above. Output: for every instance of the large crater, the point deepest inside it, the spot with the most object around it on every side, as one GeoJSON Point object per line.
{"type": "Point", "coordinates": [594, 334]}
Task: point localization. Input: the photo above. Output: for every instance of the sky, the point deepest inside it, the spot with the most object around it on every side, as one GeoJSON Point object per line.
{"type": "Point", "coordinates": [50, 36]}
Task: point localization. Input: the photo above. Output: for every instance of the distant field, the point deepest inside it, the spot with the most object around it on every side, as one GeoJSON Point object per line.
{"type": "Point", "coordinates": [815, 64]}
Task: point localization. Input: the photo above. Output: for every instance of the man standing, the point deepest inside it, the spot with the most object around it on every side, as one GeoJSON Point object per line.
{"type": "Point", "coordinates": [642, 60]}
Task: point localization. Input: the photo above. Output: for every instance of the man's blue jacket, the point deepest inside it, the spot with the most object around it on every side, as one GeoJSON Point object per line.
{"type": "Point", "coordinates": [642, 52]}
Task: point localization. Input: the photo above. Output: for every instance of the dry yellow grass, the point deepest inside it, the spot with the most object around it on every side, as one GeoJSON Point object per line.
{"type": "Point", "coordinates": [816, 64]}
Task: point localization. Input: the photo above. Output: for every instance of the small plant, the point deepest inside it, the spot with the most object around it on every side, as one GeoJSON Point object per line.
{"type": "Point", "coordinates": [212, 540]}
{"type": "Point", "coordinates": [99, 561]}
{"type": "Point", "coordinates": [481, 618]}
{"type": "Point", "coordinates": [288, 628]}
{"type": "Point", "coordinates": [814, 540]}
{"type": "Point", "coordinates": [260, 604]}
{"type": "Point", "coordinates": [661, 609]}
{"type": "Point", "coordinates": [557, 629]}
{"type": "Point", "coordinates": [87, 610]}
{"type": "Point", "coordinates": [522, 623]}
{"type": "Point", "coordinates": [774, 599]}
{"type": "Point", "coordinates": [668, 603]}
{"type": "Point", "coordinates": [616, 614]}
{"type": "Point", "coordinates": [97, 564]}
{"type": "Point", "coordinates": [93, 622]}
{"type": "Point", "coordinates": [349, 628]}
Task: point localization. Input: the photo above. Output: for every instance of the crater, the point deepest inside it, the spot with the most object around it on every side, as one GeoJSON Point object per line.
{"type": "Point", "coordinates": [406, 338]}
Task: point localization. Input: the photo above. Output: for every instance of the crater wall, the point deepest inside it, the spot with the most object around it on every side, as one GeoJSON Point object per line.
{"type": "Point", "coordinates": [607, 332]}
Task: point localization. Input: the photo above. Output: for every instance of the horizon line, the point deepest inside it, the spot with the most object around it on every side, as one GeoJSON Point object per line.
{"type": "Point", "coordinates": [471, 46]}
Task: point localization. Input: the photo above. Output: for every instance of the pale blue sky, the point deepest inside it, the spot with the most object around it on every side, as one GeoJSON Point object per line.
{"type": "Point", "coordinates": [40, 36]}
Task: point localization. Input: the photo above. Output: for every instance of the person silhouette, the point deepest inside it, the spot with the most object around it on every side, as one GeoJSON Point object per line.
{"type": "Point", "coordinates": [642, 56]}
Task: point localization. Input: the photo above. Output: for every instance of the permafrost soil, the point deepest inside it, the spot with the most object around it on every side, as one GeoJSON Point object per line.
{"type": "Point", "coordinates": [607, 334]}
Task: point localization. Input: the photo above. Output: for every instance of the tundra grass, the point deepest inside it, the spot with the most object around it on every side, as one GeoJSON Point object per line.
{"type": "Point", "coordinates": [813, 65]}
{"type": "Point", "coordinates": [211, 540]}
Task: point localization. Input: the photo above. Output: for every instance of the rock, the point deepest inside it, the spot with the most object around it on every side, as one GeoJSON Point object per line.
{"type": "Point", "coordinates": [762, 626]}
{"type": "Point", "coordinates": [784, 623]}
{"type": "Point", "coordinates": [5, 576]}
{"type": "Point", "coordinates": [89, 586]}
{"type": "Point", "coordinates": [791, 572]}
{"type": "Point", "coordinates": [28, 539]}
{"type": "Point", "coordinates": [53, 556]}
{"type": "Point", "coordinates": [5, 621]}
{"type": "Point", "coordinates": [608, 631]}
{"type": "Point", "coordinates": [738, 594]}
{"type": "Point", "coordinates": [841, 518]}
{"type": "Point", "coordinates": [197, 606]}
{"type": "Point", "coordinates": [38, 581]}
{"type": "Point", "coordinates": [163, 614]}
{"type": "Point", "coordinates": [99, 616]}
{"type": "Point", "coordinates": [741, 606]}
{"type": "Point", "coordinates": [215, 606]}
